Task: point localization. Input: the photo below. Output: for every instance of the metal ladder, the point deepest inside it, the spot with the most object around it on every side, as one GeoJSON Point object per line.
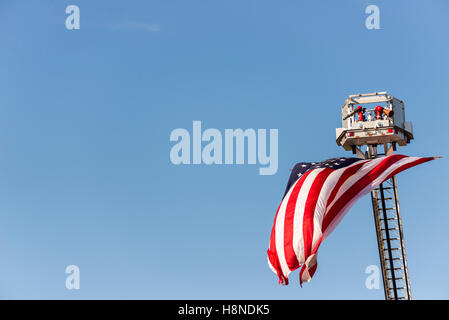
{"type": "Point", "coordinates": [390, 239]}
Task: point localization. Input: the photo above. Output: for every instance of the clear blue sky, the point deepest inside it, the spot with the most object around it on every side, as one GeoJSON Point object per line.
{"type": "Point", "coordinates": [85, 120]}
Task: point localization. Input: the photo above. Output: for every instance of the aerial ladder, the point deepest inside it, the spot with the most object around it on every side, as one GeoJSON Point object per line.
{"type": "Point", "coordinates": [373, 125]}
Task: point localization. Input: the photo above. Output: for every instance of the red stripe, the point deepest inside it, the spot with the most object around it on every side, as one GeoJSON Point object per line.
{"type": "Point", "coordinates": [358, 186]}
{"type": "Point", "coordinates": [290, 255]}
{"type": "Point", "coordinates": [312, 270]}
{"type": "Point", "coordinates": [272, 253]}
{"type": "Point", "coordinates": [309, 210]}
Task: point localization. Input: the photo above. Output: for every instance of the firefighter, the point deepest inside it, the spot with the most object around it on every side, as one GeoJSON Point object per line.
{"type": "Point", "coordinates": [360, 113]}
{"type": "Point", "coordinates": [379, 111]}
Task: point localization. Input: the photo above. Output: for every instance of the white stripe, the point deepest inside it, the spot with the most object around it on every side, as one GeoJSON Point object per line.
{"type": "Point", "coordinates": [298, 240]}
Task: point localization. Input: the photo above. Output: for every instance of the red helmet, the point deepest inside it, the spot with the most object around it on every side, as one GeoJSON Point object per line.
{"type": "Point", "coordinates": [379, 108]}
{"type": "Point", "coordinates": [359, 108]}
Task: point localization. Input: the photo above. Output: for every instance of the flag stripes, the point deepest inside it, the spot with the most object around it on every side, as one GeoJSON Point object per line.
{"type": "Point", "coordinates": [317, 201]}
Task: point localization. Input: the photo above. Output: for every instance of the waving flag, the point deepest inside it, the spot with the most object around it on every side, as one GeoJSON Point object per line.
{"type": "Point", "coordinates": [318, 195]}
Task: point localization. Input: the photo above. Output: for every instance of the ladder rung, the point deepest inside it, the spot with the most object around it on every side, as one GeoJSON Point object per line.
{"type": "Point", "coordinates": [385, 239]}
{"type": "Point", "coordinates": [388, 209]}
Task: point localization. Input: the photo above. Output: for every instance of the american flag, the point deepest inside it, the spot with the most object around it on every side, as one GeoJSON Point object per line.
{"type": "Point", "coordinates": [317, 197]}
